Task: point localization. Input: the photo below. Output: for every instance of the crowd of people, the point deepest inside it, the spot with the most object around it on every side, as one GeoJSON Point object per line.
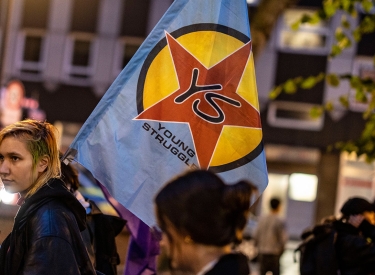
{"type": "Point", "coordinates": [202, 219]}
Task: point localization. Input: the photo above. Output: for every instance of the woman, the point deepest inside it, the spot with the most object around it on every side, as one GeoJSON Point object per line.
{"type": "Point", "coordinates": [46, 235]}
{"type": "Point", "coordinates": [201, 218]}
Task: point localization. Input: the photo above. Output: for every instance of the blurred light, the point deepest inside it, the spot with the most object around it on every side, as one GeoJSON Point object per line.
{"type": "Point", "coordinates": [252, 2]}
{"type": "Point", "coordinates": [303, 187]}
{"type": "Point", "coordinates": [8, 198]}
{"type": "Point", "coordinates": [305, 40]}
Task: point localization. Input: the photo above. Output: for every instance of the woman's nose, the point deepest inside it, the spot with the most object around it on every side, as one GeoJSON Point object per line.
{"type": "Point", "coordinates": [4, 168]}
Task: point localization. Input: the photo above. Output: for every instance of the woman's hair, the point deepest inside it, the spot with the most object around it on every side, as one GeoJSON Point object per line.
{"type": "Point", "coordinates": [202, 207]}
{"type": "Point", "coordinates": [274, 203]}
{"type": "Point", "coordinates": [69, 175]}
{"type": "Point", "coordinates": [40, 139]}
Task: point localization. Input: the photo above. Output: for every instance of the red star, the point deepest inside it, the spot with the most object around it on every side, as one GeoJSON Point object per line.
{"type": "Point", "coordinates": [206, 99]}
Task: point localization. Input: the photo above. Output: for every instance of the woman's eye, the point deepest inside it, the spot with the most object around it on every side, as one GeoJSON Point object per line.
{"type": "Point", "coordinates": [15, 158]}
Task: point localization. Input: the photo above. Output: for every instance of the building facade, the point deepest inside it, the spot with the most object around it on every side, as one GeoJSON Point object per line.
{"type": "Point", "coordinates": [68, 52]}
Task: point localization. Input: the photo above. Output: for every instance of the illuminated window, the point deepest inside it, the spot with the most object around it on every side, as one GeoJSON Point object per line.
{"type": "Point", "coordinates": [310, 37]}
{"type": "Point", "coordinates": [303, 187]}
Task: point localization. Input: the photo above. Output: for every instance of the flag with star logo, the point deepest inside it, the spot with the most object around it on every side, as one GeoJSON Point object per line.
{"type": "Point", "coordinates": [186, 100]}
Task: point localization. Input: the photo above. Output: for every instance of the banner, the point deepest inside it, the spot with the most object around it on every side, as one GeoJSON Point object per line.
{"type": "Point", "coordinates": [187, 99]}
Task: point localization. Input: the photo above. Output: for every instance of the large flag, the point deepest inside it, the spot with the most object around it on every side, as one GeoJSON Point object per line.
{"type": "Point", "coordinates": [186, 99]}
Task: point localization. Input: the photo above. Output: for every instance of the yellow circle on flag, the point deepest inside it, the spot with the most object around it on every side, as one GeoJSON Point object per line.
{"type": "Point", "coordinates": [209, 48]}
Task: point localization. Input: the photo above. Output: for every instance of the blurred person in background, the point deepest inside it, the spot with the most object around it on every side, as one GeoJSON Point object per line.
{"type": "Point", "coordinates": [14, 106]}
{"type": "Point", "coordinates": [270, 238]}
{"type": "Point", "coordinates": [201, 218]}
{"type": "Point", "coordinates": [12, 97]}
{"type": "Point", "coordinates": [355, 246]}
{"type": "Point", "coordinates": [100, 234]}
{"type": "Point", "coordinates": [46, 237]}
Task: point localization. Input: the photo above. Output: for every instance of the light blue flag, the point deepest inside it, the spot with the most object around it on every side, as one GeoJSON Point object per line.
{"type": "Point", "coordinates": [186, 99]}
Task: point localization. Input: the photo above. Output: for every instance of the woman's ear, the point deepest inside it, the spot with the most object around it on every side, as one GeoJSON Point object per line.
{"type": "Point", "coordinates": [42, 164]}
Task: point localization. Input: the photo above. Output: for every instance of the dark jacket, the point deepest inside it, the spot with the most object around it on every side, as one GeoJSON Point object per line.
{"type": "Point", "coordinates": [233, 264]}
{"type": "Point", "coordinates": [46, 237]}
{"type": "Point", "coordinates": [355, 248]}
{"type": "Point", "coordinates": [100, 239]}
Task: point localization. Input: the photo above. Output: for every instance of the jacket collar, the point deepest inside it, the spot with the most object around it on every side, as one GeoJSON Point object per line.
{"type": "Point", "coordinates": [54, 189]}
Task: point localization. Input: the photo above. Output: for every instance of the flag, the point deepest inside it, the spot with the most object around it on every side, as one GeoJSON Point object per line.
{"type": "Point", "coordinates": [187, 99]}
{"type": "Point", "coordinates": [143, 242]}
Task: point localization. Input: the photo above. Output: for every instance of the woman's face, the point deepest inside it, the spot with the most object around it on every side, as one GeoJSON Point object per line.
{"type": "Point", "coordinates": [16, 166]}
{"type": "Point", "coordinates": [14, 96]}
{"type": "Point", "coordinates": [180, 253]}
{"type": "Point", "coordinates": [173, 250]}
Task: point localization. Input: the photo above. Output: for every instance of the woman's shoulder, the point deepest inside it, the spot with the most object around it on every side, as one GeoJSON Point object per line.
{"type": "Point", "coordinates": [52, 204]}
{"type": "Point", "coordinates": [52, 219]}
